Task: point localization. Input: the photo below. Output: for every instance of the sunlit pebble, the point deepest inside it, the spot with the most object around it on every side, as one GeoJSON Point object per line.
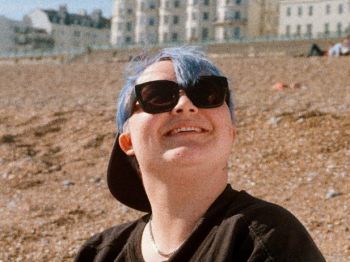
{"type": "Point", "coordinates": [11, 205]}
{"type": "Point", "coordinates": [311, 176]}
{"type": "Point", "coordinates": [300, 120]}
{"type": "Point", "coordinates": [273, 121]}
{"type": "Point", "coordinates": [68, 183]}
{"type": "Point", "coordinates": [95, 180]}
{"type": "Point", "coordinates": [342, 174]}
{"type": "Point", "coordinates": [331, 193]}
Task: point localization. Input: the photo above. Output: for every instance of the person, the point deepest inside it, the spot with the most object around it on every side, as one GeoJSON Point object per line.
{"type": "Point", "coordinates": [340, 49]}
{"type": "Point", "coordinates": [345, 47]}
{"type": "Point", "coordinates": [176, 127]}
{"type": "Point", "coordinates": [335, 49]}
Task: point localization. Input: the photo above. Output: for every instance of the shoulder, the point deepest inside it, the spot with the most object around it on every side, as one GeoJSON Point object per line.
{"type": "Point", "coordinates": [275, 230]}
{"type": "Point", "coordinates": [109, 243]}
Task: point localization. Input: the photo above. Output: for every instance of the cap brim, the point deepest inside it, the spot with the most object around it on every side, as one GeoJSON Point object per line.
{"type": "Point", "coordinates": [124, 182]}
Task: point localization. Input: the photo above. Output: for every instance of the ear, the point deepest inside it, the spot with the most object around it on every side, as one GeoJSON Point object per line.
{"type": "Point", "coordinates": [125, 144]}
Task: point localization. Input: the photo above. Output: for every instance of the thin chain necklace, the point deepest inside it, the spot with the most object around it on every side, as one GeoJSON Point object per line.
{"type": "Point", "coordinates": [154, 245]}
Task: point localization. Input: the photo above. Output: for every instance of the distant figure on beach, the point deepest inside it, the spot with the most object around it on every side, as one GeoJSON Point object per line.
{"type": "Point", "coordinates": [176, 128]}
{"type": "Point", "coordinates": [337, 49]}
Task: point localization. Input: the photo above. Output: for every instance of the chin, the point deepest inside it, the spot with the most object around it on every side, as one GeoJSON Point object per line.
{"type": "Point", "coordinates": [186, 155]}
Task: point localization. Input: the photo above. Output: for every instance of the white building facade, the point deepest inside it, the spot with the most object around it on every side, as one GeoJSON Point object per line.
{"type": "Point", "coordinates": [162, 21]}
{"type": "Point", "coordinates": [72, 30]}
{"type": "Point", "coordinates": [123, 22]}
{"type": "Point", "coordinates": [314, 18]}
{"type": "Point", "coordinates": [147, 21]}
{"type": "Point", "coordinates": [231, 19]}
{"type": "Point", "coordinates": [7, 34]}
{"type": "Point", "coordinates": [200, 16]}
{"type": "Point", "coordinates": [17, 36]}
{"type": "Point", "coordinates": [172, 21]}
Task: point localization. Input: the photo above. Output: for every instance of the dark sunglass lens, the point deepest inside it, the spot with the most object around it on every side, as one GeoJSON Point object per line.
{"type": "Point", "coordinates": [209, 92]}
{"type": "Point", "coordinates": [158, 97]}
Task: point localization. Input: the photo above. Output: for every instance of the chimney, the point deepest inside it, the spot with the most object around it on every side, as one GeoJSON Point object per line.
{"type": "Point", "coordinates": [62, 9]}
{"type": "Point", "coordinates": [82, 12]}
{"type": "Point", "coordinates": [96, 14]}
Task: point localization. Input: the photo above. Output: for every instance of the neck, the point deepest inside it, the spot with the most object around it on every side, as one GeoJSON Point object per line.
{"type": "Point", "coordinates": [179, 202]}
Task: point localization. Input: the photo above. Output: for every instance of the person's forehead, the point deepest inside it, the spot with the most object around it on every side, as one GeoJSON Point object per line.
{"type": "Point", "coordinates": [161, 70]}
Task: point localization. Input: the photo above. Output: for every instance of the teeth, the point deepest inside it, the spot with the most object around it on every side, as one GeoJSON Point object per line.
{"type": "Point", "coordinates": [186, 129]}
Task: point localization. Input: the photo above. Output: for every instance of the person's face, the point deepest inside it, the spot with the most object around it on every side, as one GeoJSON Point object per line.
{"type": "Point", "coordinates": [185, 136]}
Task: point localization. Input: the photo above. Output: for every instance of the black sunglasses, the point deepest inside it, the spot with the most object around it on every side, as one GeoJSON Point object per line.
{"type": "Point", "coordinates": [162, 95]}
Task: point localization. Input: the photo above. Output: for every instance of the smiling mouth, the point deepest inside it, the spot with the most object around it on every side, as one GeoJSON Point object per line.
{"type": "Point", "coordinates": [186, 130]}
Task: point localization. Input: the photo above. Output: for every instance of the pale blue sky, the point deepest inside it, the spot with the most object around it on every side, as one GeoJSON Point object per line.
{"type": "Point", "coordinates": [15, 9]}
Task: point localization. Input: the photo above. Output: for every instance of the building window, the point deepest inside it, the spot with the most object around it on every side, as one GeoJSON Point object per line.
{"type": "Point", "coordinates": [166, 20]}
{"type": "Point", "coordinates": [177, 4]}
{"type": "Point", "coordinates": [289, 11]}
{"type": "Point", "coordinates": [165, 37]}
{"type": "Point", "coordinates": [175, 19]}
{"type": "Point", "coordinates": [129, 11]}
{"type": "Point", "coordinates": [206, 2]}
{"type": "Point", "coordinates": [76, 33]}
{"type": "Point", "coordinates": [128, 39]}
{"type": "Point", "coordinates": [236, 32]}
{"type": "Point", "coordinates": [205, 33]}
{"type": "Point", "coordinates": [128, 26]}
{"type": "Point", "coordinates": [174, 37]}
{"type": "Point", "coordinates": [167, 4]}
{"type": "Point", "coordinates": [194, 17]}
{"type": "Point", "coordinates": [298, 31]}
{"type": "Point", "coordinates": [326, 28]}
{"type": "Point", "coordinates": [238, 2]}
{"type": "Point", "coordinates": [328, 9]}
{"type": "Point", "coordinates": [339, 28]}
{"type": "Point", "coordinates": [205, 16]}
{"type": "Point", "coordinates": [311, 10]}
{"type": "Point", "coordinates": [300, 11]}
{"type": "Point", "coordinates": [309, 29]}
{"type": "Point", "coordinates": [340, 9]}
{"type": "Point", "coordinates": [151, 21]}
{"type": "Point", "coordinates": [227, 2]}
{"type": "Point", "coordinates": [288, 30]}
{"type": "Point", "coordinates": [152, 5]}
{"type": "Point", "coordinates": [193, 32]}
{"type": "Point", "coordinates": [237, 15]}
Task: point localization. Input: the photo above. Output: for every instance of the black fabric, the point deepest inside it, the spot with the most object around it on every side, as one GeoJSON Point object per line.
{"type": "Point", "coordinates": [315, 50]}
{"type": "Point", "coordinates": [124, 182]}
{"type": "Point", "coordinates": [237, 227]}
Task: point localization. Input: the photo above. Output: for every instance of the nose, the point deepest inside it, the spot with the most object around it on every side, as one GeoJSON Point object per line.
{"type": "Point", "coordinates": [184, 105]}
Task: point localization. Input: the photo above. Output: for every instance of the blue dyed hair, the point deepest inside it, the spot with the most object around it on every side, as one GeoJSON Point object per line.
{"type": "Point", "coordinates": [189, 64]}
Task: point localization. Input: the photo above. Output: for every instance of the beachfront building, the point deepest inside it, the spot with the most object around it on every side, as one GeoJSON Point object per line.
{"type": "Point", "coordinates": [18, 36]}
{"type": "Point", "coordinates": [263, 18]}
{"type": "Point", "coordinates": [72, 30]}
{"type": "Point", "coordinates": [172, 21]}
{"type": "Point", "coordinates": [7, 34]}
{"type": "Point", "coordinates": [123, 23]}
{"type": "Point", "coordinates": [201, 15]}
{"type": "Point", "coordinates": [162, 21]}
{"type": "Point", "coordinates": [147, 20]}
{"type": "Point", "coordinates": [314, 18]}
{"type": "Point", "coordinates": [232, 18]}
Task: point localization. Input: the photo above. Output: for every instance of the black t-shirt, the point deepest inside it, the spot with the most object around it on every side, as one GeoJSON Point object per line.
{"type": "Point", "coordinates": [237, 227]}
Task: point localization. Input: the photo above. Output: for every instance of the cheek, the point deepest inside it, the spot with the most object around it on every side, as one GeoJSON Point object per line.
{"type": "Point", "coordinates": [143, 130]}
